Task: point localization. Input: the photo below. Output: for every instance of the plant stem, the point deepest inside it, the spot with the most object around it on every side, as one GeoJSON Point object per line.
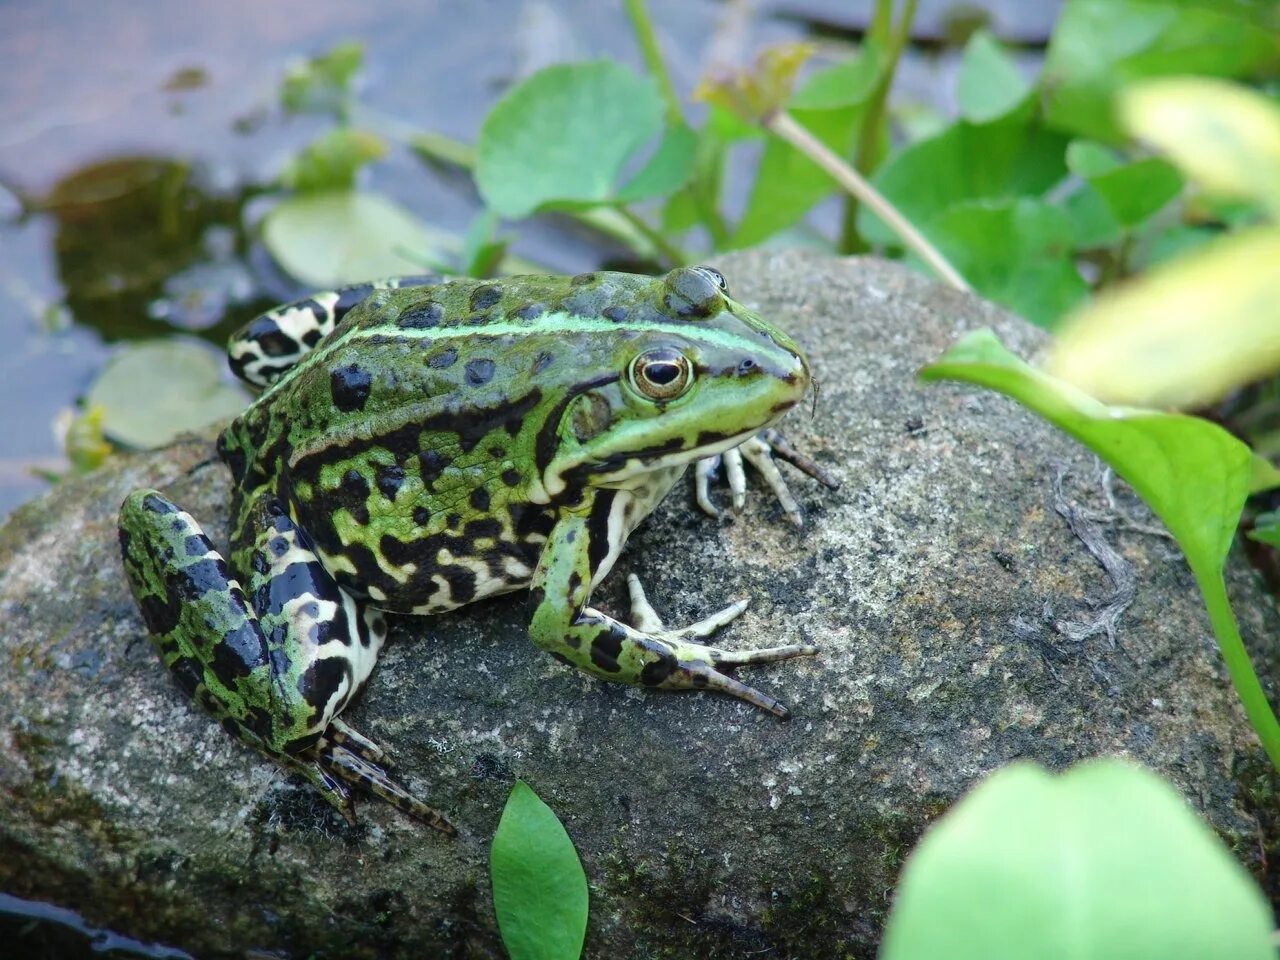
{"type": "Point", "coordinates": [783, 125]}
{"type": "Point", "coordinates": [648, 44]}
{"type": "Point", "coordinates": [868, 133]}
{"type": "Point", "coordinates": [1236, 657]}
{"type": "Point", "coordinates": [674, 255]}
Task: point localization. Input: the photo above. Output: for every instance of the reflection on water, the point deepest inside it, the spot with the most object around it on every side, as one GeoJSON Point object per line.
{"type": "Point", "coordinates": [39, 931]}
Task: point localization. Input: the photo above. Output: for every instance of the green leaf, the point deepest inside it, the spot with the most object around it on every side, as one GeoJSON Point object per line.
{"type": "Point", "coordinates": [1002, 160]}
{"type": "Point", "coordinates": [331, 162]}
{"type": "Point", "coordinates": [1226, 137]}
{"type": "Point", "coordinates": [539, 889]}
{"type": "Point", "coordinates": [990, 84]}
{"type": "Point", "coordinates": [322, 84]}
{"type": "Point", "coordinates": [1100, 46]}
{"type": "Point", "coordinates": [1191, 473]}
{"type": "Point", "coordinates": [1133, 191]}
{"type": "Point", "coordinates": [1092, 224]}
{"type": "Point", "coordinates": [787, 182]}
{"type": "Point", "coordinates": [330, 239]}
{"type": "Point", "coordinates": [843, 84]}
{"type": "Point", "coordinates": [564, 135]}
{"type": "Point", "coordinates": [1263, 476]}
{"type": "Point", "coordinates": [667, 170]}
{"type": "Point", "coordinates": [1105, 861]}
{"type": "Point", "coordinates": [153, 390]}
{"type": "Point", "coordinates": [1015, 252]}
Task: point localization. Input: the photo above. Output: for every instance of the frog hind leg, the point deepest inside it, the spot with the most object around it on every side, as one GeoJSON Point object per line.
{"type": "Point", "coordinates": [272, 343]}
{"type": "Point", "coordinates": [274, 665]}
{"type": "Point", "coordinates": [645, 653]}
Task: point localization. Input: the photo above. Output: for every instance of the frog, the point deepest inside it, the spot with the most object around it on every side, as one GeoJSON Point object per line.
{"type": "Point", "coordinates": [423, 443]}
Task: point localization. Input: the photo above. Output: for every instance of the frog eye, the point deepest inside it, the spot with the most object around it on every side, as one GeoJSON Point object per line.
{"type": "Point", "coordinates": [661, 374]}
{"type": "Point", "coordinates": [716, 277]}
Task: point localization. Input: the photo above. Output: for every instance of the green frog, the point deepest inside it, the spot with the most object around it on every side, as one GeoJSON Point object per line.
{"type": "Point", "coordinates": [423, 443]}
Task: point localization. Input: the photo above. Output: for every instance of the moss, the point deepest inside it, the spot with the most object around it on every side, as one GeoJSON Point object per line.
{"type": "Point", "coordinates": [1259, 785]}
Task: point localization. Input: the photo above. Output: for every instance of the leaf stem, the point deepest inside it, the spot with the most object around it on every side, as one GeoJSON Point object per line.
{"type": "Point", "coordinates": [648, 43]}
{"type": "Point", "coordinates": [1236, 658]}
{"type": "Point", "coordinates": [868, 133]}
{"type": "Point", "coordinates": [784, 126]}
{"type": "Point", "coordinates": [674, 255]}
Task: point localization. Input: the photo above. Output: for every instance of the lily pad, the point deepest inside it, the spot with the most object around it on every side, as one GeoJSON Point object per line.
{"type": "Point", "coordinates": [153, 390]}
{"type": "Point", "coordinates": [338, 237]}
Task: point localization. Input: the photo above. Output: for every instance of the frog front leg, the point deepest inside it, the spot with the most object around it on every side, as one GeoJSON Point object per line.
{"type": "Point", "coordinates": [274, 664]}
{"type": "Point", "coordinates": [647, 653]}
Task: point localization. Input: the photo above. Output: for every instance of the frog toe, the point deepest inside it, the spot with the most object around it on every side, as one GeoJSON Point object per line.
{"type": "Point", "coordinates": [339, 759]}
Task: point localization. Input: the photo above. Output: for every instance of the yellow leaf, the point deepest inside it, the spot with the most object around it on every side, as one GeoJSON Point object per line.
{"type": "Point", "coordinates": [755, 95]}
{"type": "Point", "coordinates": [1184, 334]}
{"type": "Point", "coordinates": [1222, 135]}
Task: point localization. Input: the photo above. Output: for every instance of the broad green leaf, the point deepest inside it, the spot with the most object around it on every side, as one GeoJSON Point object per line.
{"type": "Point", "coordinates": [990, 84]}
{"type": "Point", "coordinates": [1104, 862]}
{"type": "Point", "coordinates": [667, 170]}
{"type": "Point", "coordinates": [1183, 334]}
{"type": "Point", "coordinates": [1132, 191]}
{"type": "Point", "coordinates": [331, 163]}
{"type": "Point", "coordinates": [1191, 473]}
{"type": "Point", "coordinates": [1266, 528]}
{"type": "Point", "coordinates": [1224, 136]}
{"type": "Point", "coordinates": [1100, 46]}
{"type": "Point", "coordinates": [153, 390]}
{"type": "Point", "coordinates": [1015, 252]}
{"type": "Point", "coordinates": [787, 182]}
{"type": "Point", "coordinates": [842, 84]}
{"type": "Point", "coordinates": [539, 889]}
{"type": "Point", "coordinates": [1092, 224]}
{"type": "Point", "coordinates": [1009, 158]}
{"type": "Point", "coordinates": [328, 239]}
{"type": "Point", "coordinates": [564, 135]}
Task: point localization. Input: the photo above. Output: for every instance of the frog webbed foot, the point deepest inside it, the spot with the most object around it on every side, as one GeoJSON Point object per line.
{"type": "Point", "coordinates": [760, 451]}
{"type": "Point", "coordinates": [343, 757]}
{"type": "Point", "coordinates": [683, 665]}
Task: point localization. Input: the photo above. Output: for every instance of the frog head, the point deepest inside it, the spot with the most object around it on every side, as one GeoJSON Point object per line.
{"type": "Point", "coordinates": [692, 374]}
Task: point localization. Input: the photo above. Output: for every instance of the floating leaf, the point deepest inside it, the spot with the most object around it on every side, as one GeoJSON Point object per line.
{"type": "Point", "coordinates": [153, 390]}
{"type": "Point", "coordinates": [990, 84]}
{"type": "Point", "coordinates": [331, 163]}
{"type": "Point", "coordinates": [1224, 136]}
{"type": "Point", "coordinates": [1183, 334]}
{"type": "Point", "coordinates": [1105, 861]}
{"type": "Point", "coordinates": [328, 239]}
{"type": "Point", "coordinates": [564, 135]}
{"type": "Point", "coordinates": [539, 889]}
{"type": "Point", "coordinates": [322, 84]}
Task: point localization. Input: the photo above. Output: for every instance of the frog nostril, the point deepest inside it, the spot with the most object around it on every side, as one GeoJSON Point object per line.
{"type": "Point", "coordinates": [746, 366]}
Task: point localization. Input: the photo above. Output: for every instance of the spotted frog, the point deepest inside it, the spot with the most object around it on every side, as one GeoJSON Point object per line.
{"type": "Point", "coordinates": [421, 444]}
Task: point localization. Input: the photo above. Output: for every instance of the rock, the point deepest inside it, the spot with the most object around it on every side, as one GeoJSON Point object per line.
{"type": "Point", "coordinates": [940, 580]}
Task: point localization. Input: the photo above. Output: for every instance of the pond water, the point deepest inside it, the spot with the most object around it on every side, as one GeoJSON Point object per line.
{"type": "Point", "coordinates": [134, 137]}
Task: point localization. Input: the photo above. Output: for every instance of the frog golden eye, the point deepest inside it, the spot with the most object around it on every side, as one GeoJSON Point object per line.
{"type": "Point", "coordinates": [661, 374]}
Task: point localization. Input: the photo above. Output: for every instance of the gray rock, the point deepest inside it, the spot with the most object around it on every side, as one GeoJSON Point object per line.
{"type": "Point", "coordinates": [944, 586]}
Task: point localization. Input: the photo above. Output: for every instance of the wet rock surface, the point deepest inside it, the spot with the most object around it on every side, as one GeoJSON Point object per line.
{"type": "Point", "coordinates": [962, 624]}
